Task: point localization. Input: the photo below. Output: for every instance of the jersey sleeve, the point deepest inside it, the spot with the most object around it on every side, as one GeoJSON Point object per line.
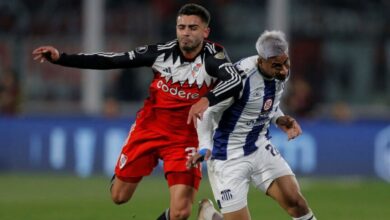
{"type": "Point", "coordinates": [229, 81]}
{"type": "Point", "coordinates": [206, 126]}
{"type": "Point", "coordinates": [141, 56]}
{"type": "Point", "coordinates": [277, 114]}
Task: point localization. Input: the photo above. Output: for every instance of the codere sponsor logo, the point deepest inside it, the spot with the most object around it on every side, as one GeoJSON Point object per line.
{"type": "Point", "coordinates": [176, 91]}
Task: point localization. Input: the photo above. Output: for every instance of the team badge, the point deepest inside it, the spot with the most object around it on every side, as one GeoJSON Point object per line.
{"type": "Point", "coordinates": [122, 161]}
{"type": "Point", "coordinates": [142, 49]}
{"type": "Point", "coordinates": [195, 69]}
{"type": "Point", "coordinates": [220, 55]}
{"type": "Point", "coordinates": [267, 104]}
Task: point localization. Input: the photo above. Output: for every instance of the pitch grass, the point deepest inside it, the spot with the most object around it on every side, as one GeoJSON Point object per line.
{"type": "Point", "coordinates": [65, 197]}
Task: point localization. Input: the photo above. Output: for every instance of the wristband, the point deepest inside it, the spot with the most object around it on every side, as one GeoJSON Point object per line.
{"type": "Point", "coordinates": [203, 151]}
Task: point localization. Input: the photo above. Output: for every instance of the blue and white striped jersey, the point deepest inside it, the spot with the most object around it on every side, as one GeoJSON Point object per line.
{"type": "Point", "coordinates": [236, 128]}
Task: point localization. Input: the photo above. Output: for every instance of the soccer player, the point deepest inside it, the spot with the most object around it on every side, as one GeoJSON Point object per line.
{"type": "Point", "coordinates": [186, 70]}
{"type": "Point", "coordinates": [235, 134]}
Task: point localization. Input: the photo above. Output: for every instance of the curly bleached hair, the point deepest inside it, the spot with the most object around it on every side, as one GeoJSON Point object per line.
{"type": "Point", "coordinates": [271, 44]}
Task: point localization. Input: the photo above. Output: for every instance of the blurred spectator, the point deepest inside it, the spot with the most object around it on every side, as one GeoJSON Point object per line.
{"type": "Point", "coordinates": [111, 108]}
{"type": "Point", "coordinates": [299, 100]}
{"type": "Point", "coordinates": [216, 25]}
{"type": "Point", "coordinates": [307, 68]}
{"type": "Point", "coordinates": [7, 20]}
{"type": "Point", "coordinates": [341, 112]}
{"type": "Point", "coordinates": [165, 11]}
{"type": "Point", "coordinates": [9, 93]}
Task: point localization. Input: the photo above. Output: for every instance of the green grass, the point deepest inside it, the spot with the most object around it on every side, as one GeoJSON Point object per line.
{"type": "Point", "coordinates": [61, 197]}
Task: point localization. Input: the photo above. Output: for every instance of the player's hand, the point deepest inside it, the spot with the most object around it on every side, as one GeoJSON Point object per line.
{"type": "Point", "coordinates": [201, 155]}
{"type": "Point", "coordinates": [197, 110]}
{"type": "Point", "coordinates": [290, 126]}
{"type": "Point", "coordinates": [46, 53]}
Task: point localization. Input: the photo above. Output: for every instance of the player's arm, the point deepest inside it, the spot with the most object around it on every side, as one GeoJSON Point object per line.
{"type": "Point", "coordinates": [135, 58]}
{"type": "Point", "coordinates": [229, 81]}
{"type": "Point", "coordinates": [229, 84]}
{"type": "Point", "coordinates": [205, 129]}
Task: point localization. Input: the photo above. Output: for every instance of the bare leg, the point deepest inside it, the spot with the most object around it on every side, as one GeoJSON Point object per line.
{"type": "Point", "coordinates": [207, 211]}
{"type": "Point", "coordinates": [182, 198]}
{"type": "Point", "coordinates": [285, 190]}
{"type": "Point", "coordinates": [242, 214]}
{"type": "Point", "coordinates": [122, 191]}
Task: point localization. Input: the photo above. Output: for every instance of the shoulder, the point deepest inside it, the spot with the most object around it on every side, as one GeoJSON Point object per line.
{"type": "Point", "coordinates": [166, 46]}
{"type": "Point", "coordinates": [144, 50]}
{"type": "Point", "coordinates": [157, 48]}
{"type": "Point", "coordinates": [215, 55]}
{"type": "Point", "coordinates": [247, 66]}
{"type": "Point", "coordinates": [214, 49]}
{"type": "Point", "coordinates": [154, 51]}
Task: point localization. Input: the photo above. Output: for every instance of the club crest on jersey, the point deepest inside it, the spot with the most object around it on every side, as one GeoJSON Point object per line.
{"type": "Point", "coordinates": [220, 55]}
{"type": "Point", "coordinates": [267, 104]}
{"type": "Point", "coordinates": [122, 161]}
{"type": "Point", "coordinates": [141, 49]}
{"type": "Point", "coordinates": [195, 69]}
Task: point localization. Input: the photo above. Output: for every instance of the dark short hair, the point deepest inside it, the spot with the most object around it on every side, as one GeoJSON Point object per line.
{"type": "Point", "coordinates": [195, 9]}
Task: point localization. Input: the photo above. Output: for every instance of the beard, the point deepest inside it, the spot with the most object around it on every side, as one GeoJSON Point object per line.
{"type": "Point", "coordinates": [189, 46]}
{"type": "Point", "coordinates": [280, 77]}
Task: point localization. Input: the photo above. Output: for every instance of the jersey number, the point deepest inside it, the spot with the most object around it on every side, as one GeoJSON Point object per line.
{"type": "Point", "coordinates": [191, 151]}
{"type": "Point", "coordinates": [272, 149]}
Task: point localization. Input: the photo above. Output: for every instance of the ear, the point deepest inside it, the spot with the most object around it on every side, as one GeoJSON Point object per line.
{"type": "Point", "coordinates": [259, 61]}
{"type": "Point", "coordinates": [206, 32]}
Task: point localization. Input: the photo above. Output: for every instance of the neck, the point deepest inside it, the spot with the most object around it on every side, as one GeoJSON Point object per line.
{"type": "Point", "coordinates": [263, 73]}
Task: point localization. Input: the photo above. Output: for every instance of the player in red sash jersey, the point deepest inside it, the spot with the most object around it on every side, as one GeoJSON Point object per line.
{"type": "Point", "coordinates": [186, 70]}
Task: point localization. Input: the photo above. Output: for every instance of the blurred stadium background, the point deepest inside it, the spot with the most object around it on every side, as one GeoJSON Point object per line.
{"type": "Point", "coordinates": [61, 129]}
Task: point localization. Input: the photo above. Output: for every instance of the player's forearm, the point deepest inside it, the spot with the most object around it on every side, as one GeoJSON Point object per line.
{"type": "Point", "coordinates": [94, 61]}
{"type": "Point", "coordinates": [205, 139]}
{"type": "Point", "coordinates": [205, 131]}
{"type": "Point", "coordinates": [206, 127]}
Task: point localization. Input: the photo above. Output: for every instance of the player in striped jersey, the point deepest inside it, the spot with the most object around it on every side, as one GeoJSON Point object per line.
{"type": "Point", "coordinates": [235, 134]}
{"type": "Point", "coordinates": [187, 70]}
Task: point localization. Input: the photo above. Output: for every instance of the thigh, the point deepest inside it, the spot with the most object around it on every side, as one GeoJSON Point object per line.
{"type": "Point", "coordinates": [183, 178]}
{"type": "Point", "coordinates": [181, 198]}
{"type": "Point", "coordinates": [175, 157]}
{"type": "Point", "coordinates": [139, 167]}
{"type": "Point", "coordinates": [139, 154]}
{"type": "Point", "coordinates": [123, 190]}
{"type": "Point", "coordinates": [270, 165]}
{"type": "Point", "coordinates": [242, 214]}
{"type": "Point", "coordinates": [229, 181]}
{"type": "Point", "coordinates": [285, 190]}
